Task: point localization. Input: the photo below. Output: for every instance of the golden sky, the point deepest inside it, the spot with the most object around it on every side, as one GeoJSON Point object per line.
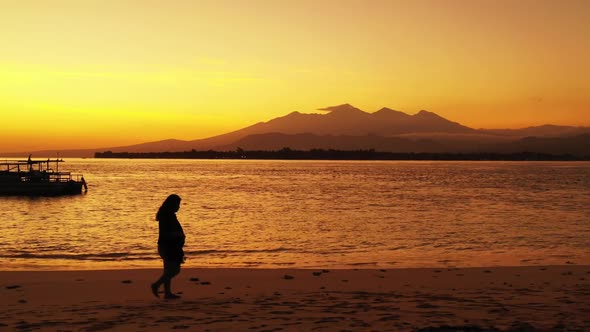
{"type": "Point", "coordinates": [86, 74]}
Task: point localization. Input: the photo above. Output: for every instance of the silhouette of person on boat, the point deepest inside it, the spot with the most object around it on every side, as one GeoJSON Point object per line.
{"type": "Point", "coordinates": [170, 243]}
{"type": "Point", "coordinates": [84, 183]}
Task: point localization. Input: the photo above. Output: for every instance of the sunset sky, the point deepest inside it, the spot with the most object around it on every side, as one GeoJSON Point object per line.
{"type": "Point", "coordinates": [86, 74]}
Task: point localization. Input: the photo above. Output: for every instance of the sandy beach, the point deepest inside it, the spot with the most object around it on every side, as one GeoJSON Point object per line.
{"type": "Point", "coordinates": [468, 299]}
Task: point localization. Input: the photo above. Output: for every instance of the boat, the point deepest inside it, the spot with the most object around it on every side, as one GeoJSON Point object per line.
{"type": "Point", "coordinates": [38, 178]}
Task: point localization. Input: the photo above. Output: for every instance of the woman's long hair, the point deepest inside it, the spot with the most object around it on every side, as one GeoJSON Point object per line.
{"type": "Point", "coordinates": [169, 206]}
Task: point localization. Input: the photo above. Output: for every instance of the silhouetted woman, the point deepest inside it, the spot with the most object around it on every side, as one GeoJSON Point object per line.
{"type": "Point", "coordinates": [170, 243]}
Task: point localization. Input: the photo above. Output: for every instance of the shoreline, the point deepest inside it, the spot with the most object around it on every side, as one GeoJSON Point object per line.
{"type": "Point", "coordinates": [528, 298]}
{"type": "Point", "coordinates": [361, 267]}
{"type": "Point", "coordinates": [344, 155]}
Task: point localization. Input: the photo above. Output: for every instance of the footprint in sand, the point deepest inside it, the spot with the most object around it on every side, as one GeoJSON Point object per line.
{"type": "Point", "coordinates": [278, 312]}
{"type": "Point", "coordinates": [13, 287]}
{"type": "Point", "coordinates": [180, 327]}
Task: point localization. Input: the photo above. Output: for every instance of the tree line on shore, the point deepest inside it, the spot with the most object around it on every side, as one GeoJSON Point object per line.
{"type": "Point", "coordinates": [321, 154]}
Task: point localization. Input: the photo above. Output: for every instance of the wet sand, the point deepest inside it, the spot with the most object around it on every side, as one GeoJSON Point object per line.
{"type": "Point", "coordinates": [468, 299]}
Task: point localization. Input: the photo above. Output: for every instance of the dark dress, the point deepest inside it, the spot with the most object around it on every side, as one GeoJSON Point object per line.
{"type": "Point", "coordinates": [171, 239]}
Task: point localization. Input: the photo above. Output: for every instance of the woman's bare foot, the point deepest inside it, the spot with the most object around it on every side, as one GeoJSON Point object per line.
{"type": "Point", "coordinates": [155, 290]}
{"type": "Point", "coordinates": [171, 296]}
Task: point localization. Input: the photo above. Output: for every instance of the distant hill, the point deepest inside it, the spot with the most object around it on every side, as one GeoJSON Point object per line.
{"type": "Point", "coordinates": [575, 145]}
{"type": "Point", "coordinates": [539, 131]}
{"type": "Point", "coordinates": [346, 127]}
{"type": "Point", "coordinates": [277, 141]}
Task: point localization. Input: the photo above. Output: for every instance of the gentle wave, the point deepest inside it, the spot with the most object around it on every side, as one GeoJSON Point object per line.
{"type": "Point", "coordinates": [237, 251]}
{"type": "Point", "coordinates": [80, 257]}
{"type": "Point", "coordinates": [134, 256]}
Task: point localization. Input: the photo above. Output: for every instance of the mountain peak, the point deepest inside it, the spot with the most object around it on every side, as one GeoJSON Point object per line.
{"type": "Point", "coordinates": [385, 111]}
{"type": "Point", "coordinates": [426, 113]}
{"type": "Point", "coordinates": [344, 108]}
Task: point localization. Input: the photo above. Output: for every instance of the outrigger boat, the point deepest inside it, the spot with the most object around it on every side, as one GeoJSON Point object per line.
{"type": "Point", "coordinates": [38, 178]}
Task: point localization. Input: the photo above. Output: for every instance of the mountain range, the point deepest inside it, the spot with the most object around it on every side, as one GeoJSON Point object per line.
{"type": "Point", "coordinates": [346, 127]}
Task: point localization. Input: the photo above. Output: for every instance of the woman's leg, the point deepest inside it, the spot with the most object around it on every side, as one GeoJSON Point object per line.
{"type": "Point", "coordinates": [156, 285]}
{"type": "Point", "coordinates": [171, 269]}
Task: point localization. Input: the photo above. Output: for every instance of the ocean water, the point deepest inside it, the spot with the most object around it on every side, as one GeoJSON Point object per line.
{"type": "Point", "coordinates": [308, 214]}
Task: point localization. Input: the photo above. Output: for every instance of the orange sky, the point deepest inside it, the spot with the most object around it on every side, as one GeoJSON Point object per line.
{"type": "Point", "coordinates": [85, 74]}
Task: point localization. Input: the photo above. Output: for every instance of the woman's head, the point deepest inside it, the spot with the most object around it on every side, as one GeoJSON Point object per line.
{"type": "Point", "coordinates": [171, 205]}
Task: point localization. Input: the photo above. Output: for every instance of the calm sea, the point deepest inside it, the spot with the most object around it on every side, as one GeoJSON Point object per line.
{"type": "Point", "coordinates": [306, 214]}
